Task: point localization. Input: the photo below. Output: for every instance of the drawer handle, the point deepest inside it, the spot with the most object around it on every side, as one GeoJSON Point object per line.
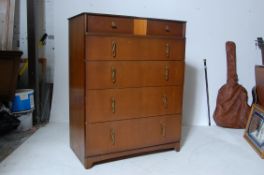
{"type": "Point", "coordinates": [113, 48]}
{"type": "Point", "coordinates": [167, 28]}
{"type": "Point", "coordinates": [166, 72]}
{"type": "Point", "coordinates": [113, 135]}
{"type": "Point", "coordinates": [113, 105]}
{"type": "Point", "coordinates": [165, 101]}
{"type": "Point", "coordinates": [167, 50]}
{"type": "Point", "coordinates": [163, 129]}
{"type": "Point", "coordinates": [113, 25]}
{"type": "Point", "coordinates": [113, 75]}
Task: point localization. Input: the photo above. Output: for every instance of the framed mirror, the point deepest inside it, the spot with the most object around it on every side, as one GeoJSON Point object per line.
{"type": "Point", "coordinates": [254, 132]}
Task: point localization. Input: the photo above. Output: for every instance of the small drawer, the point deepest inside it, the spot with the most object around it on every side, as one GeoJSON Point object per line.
{"type": "Point", "coordinates": [109, 24]}
{"type": "Point", "coordinates": [158, 27]}
{"type": "Point", "coordinates": [125, 135]}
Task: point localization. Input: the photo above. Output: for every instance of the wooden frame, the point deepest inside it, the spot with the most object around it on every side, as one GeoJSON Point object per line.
{"type": "Point", "coordinates": [254, 132]}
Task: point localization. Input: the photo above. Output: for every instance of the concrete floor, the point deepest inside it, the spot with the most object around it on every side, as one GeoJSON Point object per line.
{"type": "Point", "coordinates": [205, 150]}
{"type": "Point", "coordinates": [11, 141]}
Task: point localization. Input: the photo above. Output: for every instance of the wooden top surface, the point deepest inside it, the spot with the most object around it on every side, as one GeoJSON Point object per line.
{"type": "Point", "coordinates": [124, 16]}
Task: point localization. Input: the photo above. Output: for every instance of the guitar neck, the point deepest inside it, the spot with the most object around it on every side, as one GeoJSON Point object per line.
{"type": "Point", "coordinates": [262, 53]}
{"type": "Point", "coordinates": [260, 44]}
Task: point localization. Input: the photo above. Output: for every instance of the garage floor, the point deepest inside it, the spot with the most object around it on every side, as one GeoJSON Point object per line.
{"type": "Point", "coordinates": [205, 150]}
{"type": "Point", "coordinates": [11, 141]}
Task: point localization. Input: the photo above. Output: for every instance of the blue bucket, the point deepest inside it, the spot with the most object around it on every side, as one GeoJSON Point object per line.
{"type": "Point", "coordinates": [23, 100]}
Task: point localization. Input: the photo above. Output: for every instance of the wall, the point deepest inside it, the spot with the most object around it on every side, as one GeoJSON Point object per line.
{"type": "Point", "coordinates": [209, 25]}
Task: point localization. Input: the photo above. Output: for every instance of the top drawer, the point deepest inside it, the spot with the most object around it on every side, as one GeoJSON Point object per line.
{"type": "Point", "coordinates": [110, 24]}
{"type": "Point", "coordinates": [171, 28]}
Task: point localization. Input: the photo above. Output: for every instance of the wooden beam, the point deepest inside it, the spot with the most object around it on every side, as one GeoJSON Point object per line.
{"type": "Point", "coordinates": [33, 56]}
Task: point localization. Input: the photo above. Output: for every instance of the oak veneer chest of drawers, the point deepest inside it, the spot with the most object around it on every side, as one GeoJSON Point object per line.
{"type": "Point", "coordinates": [126, 85]}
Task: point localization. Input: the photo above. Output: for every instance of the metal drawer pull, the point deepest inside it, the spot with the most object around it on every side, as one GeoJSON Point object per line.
{"type": "Point", "coordinates": [167, 28]}
{"type": "Point", "coordinates": [113, 48]}
{"type": "Point", "coordinates": [113, 24]}
{"type": "Point", "coordinates": [113, 75]}
{"type": "Point", "coordinates": [113, 105]}
{"type": "Point", "coordinates": [163, 129]}
{"type": "Point", "coordinates": [165, 101]}
{"type": "Point", "coordinates": [166, 72]}
{"type": "Point", "coordinates": [167, 50]}
{"type": "Point", "coordinates": [112, 133]}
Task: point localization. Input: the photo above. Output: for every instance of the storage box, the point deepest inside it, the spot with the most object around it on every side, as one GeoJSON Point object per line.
{"type": "Point", "coordinates": [26, 122]}
{"type": "Point", "coordinates": [23, 100]}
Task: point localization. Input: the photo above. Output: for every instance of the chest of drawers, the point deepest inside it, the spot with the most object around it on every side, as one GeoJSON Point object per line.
{"type": "Point", "coordinates": [126, 80]}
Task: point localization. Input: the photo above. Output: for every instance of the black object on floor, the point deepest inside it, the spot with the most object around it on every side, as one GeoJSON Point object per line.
{"type": "Point", "coordinates": [7, 122]}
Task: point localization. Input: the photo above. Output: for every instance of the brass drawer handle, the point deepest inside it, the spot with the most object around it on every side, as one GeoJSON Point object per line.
{"type": "Point", "coordinates": [113, 136]}
{"type": "Point", "coordinates": [165, 101]}
{"type": "Point", "coordinates": [167, 50]}
{"type": "Point", "coordinates": [114, 48]}
{"type": "Point", "coordinates": [167, 28]}
{"type": "Point", "coordinates": [113, 25]}
{"type": "Point", "coordinates": [113, 75]}
{"type": "Point", "coordinates": [163, 129]}
{"type": "Point", "coordinates": [166, 72]}
{"type": "Point", "coordinates": [113, 105]}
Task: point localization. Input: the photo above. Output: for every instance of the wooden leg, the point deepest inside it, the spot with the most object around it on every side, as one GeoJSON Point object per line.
{"type": "Point", "coordinates": [177, 147]}
{"type": "Point", "coordinates": [88, 164]}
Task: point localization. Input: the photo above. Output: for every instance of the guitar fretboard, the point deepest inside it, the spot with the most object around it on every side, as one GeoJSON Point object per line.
{"type": "Point", "coordinates": [260, 44]}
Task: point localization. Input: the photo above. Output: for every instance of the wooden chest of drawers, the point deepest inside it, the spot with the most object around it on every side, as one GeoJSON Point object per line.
{"type": "Point", "coordinates": [126, 85]}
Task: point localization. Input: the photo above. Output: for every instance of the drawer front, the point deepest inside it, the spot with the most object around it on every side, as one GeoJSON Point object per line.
{"type": "Point", "coordinates": [124, 135]}
{"type": "Point", "coordinates": [108, 24]}
{"type": "Point", "coordinates": [156, 27]}
{"type": "Point", "coordinates": [118, 104]}
{"type": "Point", "coordinates": [121, 74]}
{"type": "Point", "coordinates": [133, 48]}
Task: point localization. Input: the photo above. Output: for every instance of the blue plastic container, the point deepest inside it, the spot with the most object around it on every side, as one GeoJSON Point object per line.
{"type": "Point", "coordinates": [23, 100]}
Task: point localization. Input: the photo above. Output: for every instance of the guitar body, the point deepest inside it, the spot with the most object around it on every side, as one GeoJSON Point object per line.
{"type": "Point", "coordinates": [254, 95]}
{"type": "Point", "coordinates": [231, 110]}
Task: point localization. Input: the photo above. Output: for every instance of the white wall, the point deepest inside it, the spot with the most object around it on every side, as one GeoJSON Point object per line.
{"type": "Point", "coordinates": [209, 25]}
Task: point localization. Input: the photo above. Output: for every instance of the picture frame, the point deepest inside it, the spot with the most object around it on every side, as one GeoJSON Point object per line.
{"type": "Point", "coordinates": [254, 132]}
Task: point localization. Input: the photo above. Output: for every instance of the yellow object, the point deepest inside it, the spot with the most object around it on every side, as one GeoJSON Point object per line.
{"type": "Point", "coordinates": [23, 68]}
